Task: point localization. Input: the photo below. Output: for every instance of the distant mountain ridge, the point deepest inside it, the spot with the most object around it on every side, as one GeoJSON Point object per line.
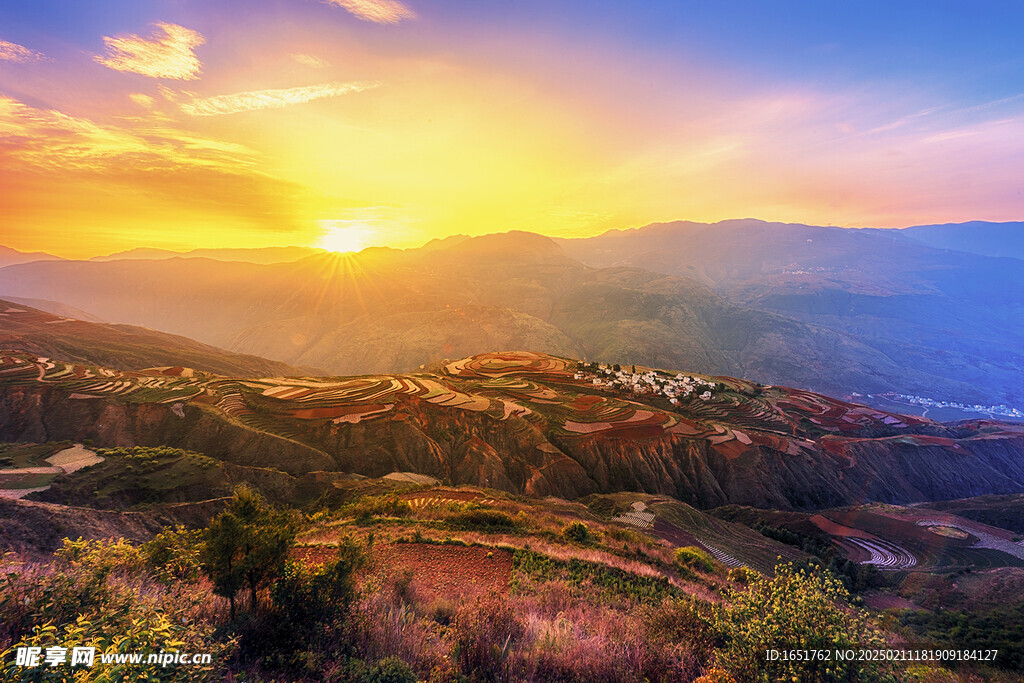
{"type": "Point", "coordinates": [9, 257]}
{"type": "Point", "coordinates": [975, 237]}
{"type": "Point", "coordinates": [950, 314]}
{"type": "Point", "coordinates": [249, 255]}
{"type": "Point", "coordinates": [387, 310]}
{"type": "Point", "coordinates": [831, 309]}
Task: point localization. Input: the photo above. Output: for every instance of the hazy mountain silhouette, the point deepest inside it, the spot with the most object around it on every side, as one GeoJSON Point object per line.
{"type": "Point", "coordinates": [829, 309]}
{"type": "Point", "coordinates": [975, 237]}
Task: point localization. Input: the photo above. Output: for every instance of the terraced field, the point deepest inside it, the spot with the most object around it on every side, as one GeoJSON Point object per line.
{"type": "Point", "coordinates": [882, 554]}
{"type": "Point", "coordinates": [499, 385]}
{"type": "Point", "coordinates": [542, 396]}
{"type": "Point", "coordinates": [896, 537]}
{"type": "Point", "coordinates": [733, 545]}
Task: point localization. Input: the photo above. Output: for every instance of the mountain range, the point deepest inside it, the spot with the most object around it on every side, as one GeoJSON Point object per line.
{"type": "Point", "coordinates": [835, 310]}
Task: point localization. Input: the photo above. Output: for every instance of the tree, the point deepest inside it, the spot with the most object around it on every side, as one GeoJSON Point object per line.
{"type": "Point", "coordinates": [247, 544]}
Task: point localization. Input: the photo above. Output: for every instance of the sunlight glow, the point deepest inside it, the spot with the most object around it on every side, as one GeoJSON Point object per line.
{"type": "Point", "coordinates": [343, 236]}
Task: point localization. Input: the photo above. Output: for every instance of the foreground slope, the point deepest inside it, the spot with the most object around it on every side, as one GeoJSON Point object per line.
{"type": "Point", "coordinates": [529, 423]}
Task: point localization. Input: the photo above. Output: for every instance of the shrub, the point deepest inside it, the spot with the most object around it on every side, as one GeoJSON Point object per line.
{"type": "Point", "coordinates": [576, 532]}
{"type": "Point", "coordinates": [306, 623]}
{"type": "Point", "coordinates": [387, 670]}
{"type": "Point", "coordinates": [741, 575]}
{"type": "Point", "coordinates": [690, 557]}
{"type": "Point", "coordinates": [482, 519]}
{"type": "Point", "coordinates": [174, 554]}
{"type": "Point", "coordinates": [367, 508]}
{"type": "Point", "coordinates": [84, 599]}
{"type": "Point", "coordinates": [795, 609]}
{"type": "Point", "coordinates": [101, 556]}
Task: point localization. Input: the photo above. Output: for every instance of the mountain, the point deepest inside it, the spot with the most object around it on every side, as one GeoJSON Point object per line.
{"type": "Point", "coordinates": [124, 347]}
{"type": "Point", "coordinates": [975, 237]}
{"type": "Point", "coordinates": [385, 310]}
{"type": "Point", "coordinates": [248, 255]}
{"type": "Point", "coordinates": [951, 315]}
{"type": "Point", "coordinates": [532, 424]}
{"type": "Point", "coordinates": [10, 256]}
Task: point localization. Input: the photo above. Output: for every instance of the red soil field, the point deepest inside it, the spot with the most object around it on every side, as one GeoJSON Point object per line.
{"type": "Point", "coordinates": [448, 571]}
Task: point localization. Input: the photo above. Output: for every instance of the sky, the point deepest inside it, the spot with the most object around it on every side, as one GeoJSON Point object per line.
{"type": "Point", "coordinates": [186, 124]}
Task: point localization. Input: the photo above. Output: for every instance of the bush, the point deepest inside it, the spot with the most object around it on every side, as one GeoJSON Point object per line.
{"type": "Point", "coordinates": [484, 520]}
{"type": "Point", "coordinates": [690, 557]}
{"type": "Point", "coordinates": [387, 670]}
{"type": "Point", "coordinates": [367, 508]}
{"type": "Point", "coordinates": [741, 575]}
{"type": "Point", "coordinates": [795, 610]}
{"type": "Point", "coordinates": [174, 554]}
{"type": "Point", "coordinates": [577, 532]}
{"type": "Point", "coordinates": [92, 595]}
{"type": "Point", "coordinates": [247, 545]}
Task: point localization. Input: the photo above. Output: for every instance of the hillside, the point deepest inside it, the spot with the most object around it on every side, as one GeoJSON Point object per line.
{"type": "Point", "coordinates": [528, 423]}
{"type": "Point", "coordinates": [123, 347]}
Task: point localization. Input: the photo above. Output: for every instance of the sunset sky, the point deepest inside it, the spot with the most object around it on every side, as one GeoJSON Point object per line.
{"type": "Point", "coordinates": [213, 123]}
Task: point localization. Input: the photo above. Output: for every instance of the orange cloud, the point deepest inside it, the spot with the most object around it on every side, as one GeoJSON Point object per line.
{"type": "Point", "coordinates": [146, 178]}
{"type": "Point", "coordinates": [269, 99]}
{"type": "Point", "coordinates": [168, 53]}
{"type": "Point", "coordinates": [377, 11]}
{"type": "Point", "coordinates": [12, 52]}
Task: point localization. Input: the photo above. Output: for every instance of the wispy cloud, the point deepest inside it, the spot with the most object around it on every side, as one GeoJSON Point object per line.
{"type": "Point", "coordinates": [309, 60]}
{"type": "Point", "coordinates": [12, 52]}
{"type": "Point", "coordinates": [269, 99]}
{"type": "Point", "coordinates": [144, 101]}
{"type": "Point", "coordinates": [168, 53]}
{"type": "Point", "coordinates": [377, 11]}
{"type": "Point", "coordinates": [48, 139]}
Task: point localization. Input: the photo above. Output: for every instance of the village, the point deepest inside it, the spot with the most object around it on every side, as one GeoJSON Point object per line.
{"type": "Point", "coordinates": [648, 383]}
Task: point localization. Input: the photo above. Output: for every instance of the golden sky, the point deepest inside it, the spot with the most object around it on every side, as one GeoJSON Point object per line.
{"type": "Point", "coordinates": [349, 123]}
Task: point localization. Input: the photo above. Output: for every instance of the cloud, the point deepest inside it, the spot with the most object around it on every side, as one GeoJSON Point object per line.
{"type": "Point", "coordinates": [12, 52]}
{"type": "Point", "coordinates": [50, 140]}
{"type": "Point", "coordinates": [377, 11]}
{"type": "Point", "coordinates": [168, 53]}
{"type": "Point", "coordinates": [144, 101]}
{"type": "Point", "coordinates": [310, 60]}
{"type": "Point", "coordinates": [148, 163]}
{"type": "Point", "coordinates": [269, 99]}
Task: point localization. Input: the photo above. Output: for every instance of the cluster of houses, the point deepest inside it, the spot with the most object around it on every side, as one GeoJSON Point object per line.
{"type": "Point", "coordinates": [646, 383]}
{"type": "Point", "coordinates": [1002, 409]}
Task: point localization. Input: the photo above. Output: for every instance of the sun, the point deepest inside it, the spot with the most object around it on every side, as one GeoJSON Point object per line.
{"type": "Point", "coordinates": [341, 237]}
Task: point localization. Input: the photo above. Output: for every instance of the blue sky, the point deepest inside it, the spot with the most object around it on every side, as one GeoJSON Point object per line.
{"type": "Point", "coordinates": [402, 120]}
